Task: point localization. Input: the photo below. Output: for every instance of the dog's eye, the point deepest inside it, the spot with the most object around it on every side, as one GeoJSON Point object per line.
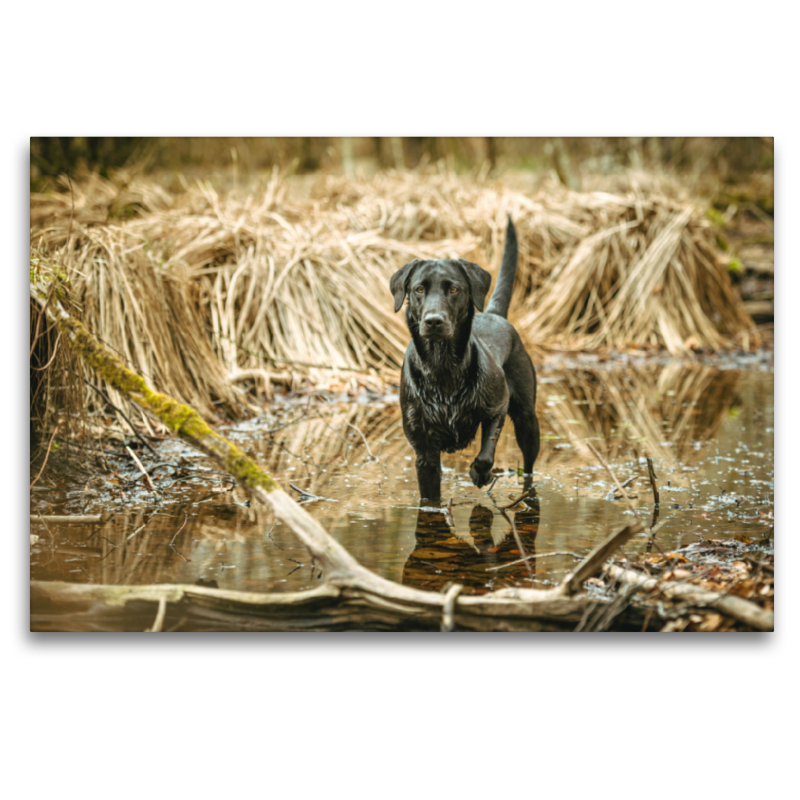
{"type": "Point", "coordinates": [420, 290]}
{"type": "Point", "coordinates": [453, 290]}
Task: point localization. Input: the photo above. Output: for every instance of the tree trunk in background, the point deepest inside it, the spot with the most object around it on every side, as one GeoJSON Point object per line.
{"type": "Point", "coordinates": [311, 150]}
{"type": "Point", "coordinates": [491, 152]}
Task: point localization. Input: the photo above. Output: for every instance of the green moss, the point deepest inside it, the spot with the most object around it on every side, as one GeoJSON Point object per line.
{"type": "Point", "coordinates": [716, 216]}
{"type": "Point", "coordinates": [735, 266]}
{"type": "Point", "coordinates": [181, 419]}
{"type": "Point", "coordinates": [247, 472]}
{"type": "Point", "coordinates": [44, 270]}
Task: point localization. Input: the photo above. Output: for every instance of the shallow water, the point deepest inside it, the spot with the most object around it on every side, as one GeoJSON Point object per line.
{"type": "Point", "coordinates": [709, 431]}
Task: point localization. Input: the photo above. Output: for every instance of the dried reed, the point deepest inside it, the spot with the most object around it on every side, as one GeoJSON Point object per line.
{"type": "Point", "coordinates": [208, 294]}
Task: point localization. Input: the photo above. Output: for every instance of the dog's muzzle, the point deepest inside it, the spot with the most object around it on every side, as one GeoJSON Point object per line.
{"type": "Point", "coordinates": [435, 326]}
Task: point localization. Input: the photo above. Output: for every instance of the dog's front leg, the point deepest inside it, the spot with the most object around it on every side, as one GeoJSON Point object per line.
{"type": "Point", "coordinates": [481, 470]}
{"type": "Point", "coordinates": [429, 475]}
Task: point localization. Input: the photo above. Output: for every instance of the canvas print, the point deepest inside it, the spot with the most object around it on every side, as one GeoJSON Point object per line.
{"type": "Point", "coordinates": [402, 384]}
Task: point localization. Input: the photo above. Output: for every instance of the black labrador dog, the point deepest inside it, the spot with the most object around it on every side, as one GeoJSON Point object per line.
{"type": "Point", "coordinates": [463, 370]}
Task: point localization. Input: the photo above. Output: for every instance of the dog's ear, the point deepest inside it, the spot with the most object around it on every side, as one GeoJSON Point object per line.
{"type": "Point", "coordinates": [399, 283]}
{"type": "Point", "coordinates": [479, 281]}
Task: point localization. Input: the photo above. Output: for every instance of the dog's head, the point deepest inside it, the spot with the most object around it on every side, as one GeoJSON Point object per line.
{"type": "Point", "coordinates": [441, 294]}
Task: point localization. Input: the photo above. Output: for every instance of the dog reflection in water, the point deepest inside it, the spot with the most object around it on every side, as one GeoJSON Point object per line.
{"type": "Point", "coordinates": [443, 555]}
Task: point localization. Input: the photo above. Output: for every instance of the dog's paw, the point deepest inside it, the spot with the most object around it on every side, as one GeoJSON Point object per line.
{"type": "Point", "coordinates": [481, 473]}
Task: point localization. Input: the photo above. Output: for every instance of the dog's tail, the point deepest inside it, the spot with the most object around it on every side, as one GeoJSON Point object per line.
{"type": "Point", "coordinates": [501, 296]}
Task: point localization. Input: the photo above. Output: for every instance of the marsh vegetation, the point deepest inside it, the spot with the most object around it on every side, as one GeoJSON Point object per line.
{"type": "Point", "coordinates": [264, 304]}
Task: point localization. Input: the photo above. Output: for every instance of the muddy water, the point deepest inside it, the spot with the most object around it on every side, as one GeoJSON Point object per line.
{"type": "Point", "coordinates": [709, 431]}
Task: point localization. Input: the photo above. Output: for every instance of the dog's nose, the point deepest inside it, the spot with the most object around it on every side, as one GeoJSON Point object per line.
{"type": "Point", "coordinates": [434, 322]}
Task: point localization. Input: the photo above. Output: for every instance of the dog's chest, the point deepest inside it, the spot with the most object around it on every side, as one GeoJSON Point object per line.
{"type": "Point", "coordinates": [450, 423]}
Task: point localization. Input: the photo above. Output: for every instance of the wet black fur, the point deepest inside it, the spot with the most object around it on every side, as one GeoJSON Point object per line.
{"type": "Point", "coordinates": [463, 370]}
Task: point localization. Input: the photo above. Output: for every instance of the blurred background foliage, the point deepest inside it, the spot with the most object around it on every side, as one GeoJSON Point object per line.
{"type": "Point", "coordinates": [730, 160]}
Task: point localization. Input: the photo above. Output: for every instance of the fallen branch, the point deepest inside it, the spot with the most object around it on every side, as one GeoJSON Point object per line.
{"type": "Point", "coordinates": [187, 424]}
{"type": "Point", "coordinates": [63, 606]}
{"type": "Point", "coordinates": [351, 596]}
{"type": "Point", "coordinates": [147, 480]}
{"type": "Point", "coordinates": [591, 565]}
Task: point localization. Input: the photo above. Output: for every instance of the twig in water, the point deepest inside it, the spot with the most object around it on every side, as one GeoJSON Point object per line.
{"type": "Point", "coordinates": [627, 499]}
{"type": "Point", "coordinates": [304, 495]}
{"type": "Point", "coordinates": [656, 507]}
{"type": "Point", "coordinates": [611, 494]}
{"type": "Point", "coordinates": [448, 514]}
{"type": "Point", "coordinates": [533, 556]}
{"type": "Point", "coordinates": [148, 483]}
{"type": "Point", "coordinates": [269, 534]}
{"type": "Point", "coordinates": [522, 497]}
{"type": "Point", "coordinates": [299, 563]}
{"type": "Point", "coordinates": [185, 520]}
{"type": "Point", "coordinates": [366, 443]}
{"type": "Point", "coordinates": [651, 473]}
{"type": "Point", "coordinates": [371, 455]}
{"type": "Point", "coordinates": [525, 558]}
{"type": "Point", "coordinates": [142, 526]}
{"type": "Point", "coordinates": [186, 560]}
{"type": "Point", "coordinates": [100, 536]}
{"type": "Point", "coordinates": [619, 485]}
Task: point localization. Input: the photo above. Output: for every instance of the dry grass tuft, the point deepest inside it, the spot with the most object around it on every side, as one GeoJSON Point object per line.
{"type": "Point", "coordinates": [208, 294]}
{"type": "Point", "coordinates": [645, 273]}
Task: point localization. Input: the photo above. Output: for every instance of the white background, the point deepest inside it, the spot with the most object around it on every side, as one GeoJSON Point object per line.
{"type": "Point", "coordinates": [396, 715]}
